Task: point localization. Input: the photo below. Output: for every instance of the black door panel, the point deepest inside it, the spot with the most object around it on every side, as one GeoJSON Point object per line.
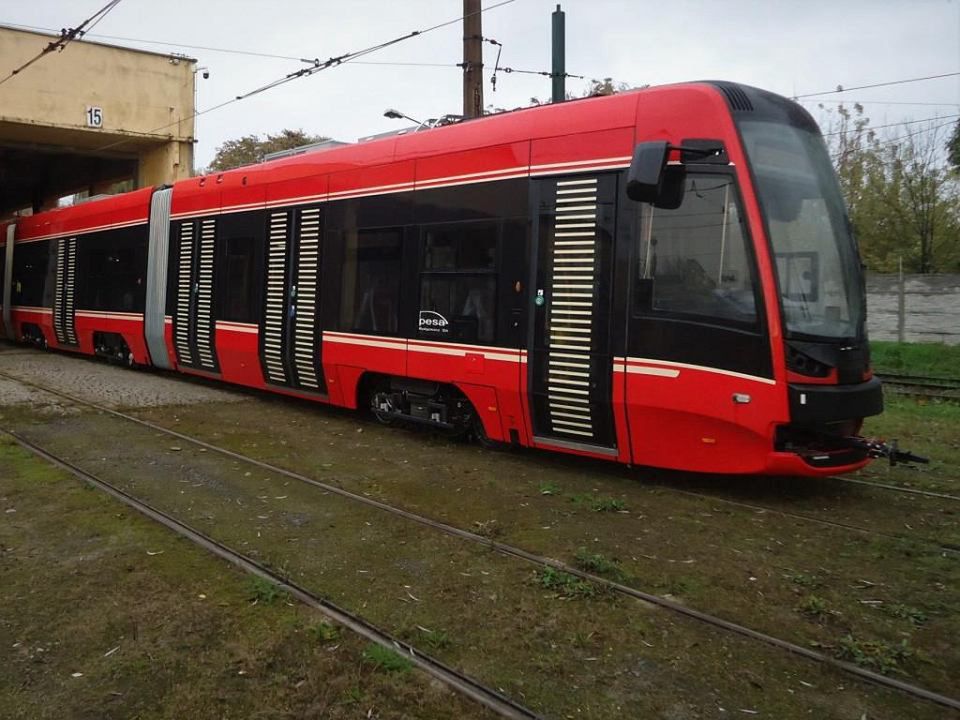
{"type": "Point", "coordinates": [290, 338]}
{"type": "Point", "coordinates": [193, 308]}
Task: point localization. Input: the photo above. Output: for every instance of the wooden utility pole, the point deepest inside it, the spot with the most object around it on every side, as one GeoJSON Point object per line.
{"type": "Point", "coordinates": [472, 60]}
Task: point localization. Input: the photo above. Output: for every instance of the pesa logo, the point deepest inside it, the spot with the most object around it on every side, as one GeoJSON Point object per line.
{"type": "Point", "coordinates": [433, 322]}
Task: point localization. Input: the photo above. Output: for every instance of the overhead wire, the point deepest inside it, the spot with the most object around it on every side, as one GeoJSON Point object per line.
{"type": "Point", "coordinates": [841, 89]}
{"type": "Point", "coordinates": [232, 51]}
{"type": "Point", "coordinates": [253, 53]}
{"type": "Point", "coordinates": [496, 64]}
{"type": "Point", "coordinates": [67, 35]}
{"type": "Point", "coordinates": [405, 64]}
{"type": "Point", "coordinates": [547, 73]}
{"type": "Point", "coordinates": [387, 63]}
{"type": "Point", "coordinates": [895, 140]}
{"type": "Point", "coordinates": [167, 43]}
{"type": "Point", "coordinates": [100, 16]}
{"type": "Point", "coordinates": [348, 57]}
{"type": "Point", "coordinates": [921, 131]}
{"type": "Point", "coordinates": [897, 124]}
{"type": "Point", "coordinates": [312, 61]}
{"type": "Point", "coordinates": [882, 102]}
{"type": "Point", "coordinates": [316, 67]}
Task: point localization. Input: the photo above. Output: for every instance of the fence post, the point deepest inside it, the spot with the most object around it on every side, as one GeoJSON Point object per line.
{"type": "Point", "coordinates": [901, 306]}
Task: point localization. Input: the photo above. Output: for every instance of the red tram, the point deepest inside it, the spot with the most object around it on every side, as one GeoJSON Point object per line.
{"type": "Point", "coordinates": [663, 277]}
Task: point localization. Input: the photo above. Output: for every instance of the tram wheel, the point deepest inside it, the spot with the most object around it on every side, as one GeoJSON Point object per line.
{"type": "Point", "coordinates": [480, 435]}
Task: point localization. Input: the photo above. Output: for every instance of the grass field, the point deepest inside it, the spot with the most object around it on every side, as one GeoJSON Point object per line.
{"type": "Point", "coordinates": [108, 615]}
{"type": "Point", "coordinates": [889, 603]}
{"type": "Point", "coordinates": [916, 358]}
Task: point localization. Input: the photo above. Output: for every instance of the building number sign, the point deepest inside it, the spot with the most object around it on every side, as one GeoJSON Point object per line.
{"type": "Point", "coordinates": [94, 117]}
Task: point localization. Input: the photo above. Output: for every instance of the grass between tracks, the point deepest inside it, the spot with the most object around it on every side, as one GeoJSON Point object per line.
{"type": "Point", "coordinates": [886, 604]}
{"type": "Point", "coordinates": [556, 644]}
{"type": "Point", "coordinates": [928, 427]}
{"type": "Point", "coordinates": [107, 615]}
{"type": "Point", "coordinates": [853, 596]}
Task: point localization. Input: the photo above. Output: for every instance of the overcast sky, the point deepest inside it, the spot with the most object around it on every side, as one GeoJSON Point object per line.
{"type": "Point", "coordinates": [788, 46]}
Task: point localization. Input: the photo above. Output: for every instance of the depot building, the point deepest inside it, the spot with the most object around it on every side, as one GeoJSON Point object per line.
{"type": "Point", "coordinates": [91, 119]}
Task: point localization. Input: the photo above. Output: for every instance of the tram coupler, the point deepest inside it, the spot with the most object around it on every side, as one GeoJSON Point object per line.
{"type": "Point", "coordinates": [890, 450]}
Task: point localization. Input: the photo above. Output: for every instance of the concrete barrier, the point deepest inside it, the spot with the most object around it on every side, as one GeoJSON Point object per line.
{"type": "Point", "coordinates": [914, 308]}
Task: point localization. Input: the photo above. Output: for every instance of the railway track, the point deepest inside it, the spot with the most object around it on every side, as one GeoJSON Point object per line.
{"type": "Point", "coordinates": [926, 386]}
{"type": "Point", "coordinates": [898, 488]}
{"type": "Point", "coordinates": [461, 683]}
{"type": "Point", "coordinates": [450, 676]}
{"type": "Point", "coordinates": [940, 547]}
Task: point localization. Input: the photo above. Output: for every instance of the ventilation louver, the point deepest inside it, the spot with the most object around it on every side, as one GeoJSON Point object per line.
{"type": "Point", "coordinates": [736, 97]}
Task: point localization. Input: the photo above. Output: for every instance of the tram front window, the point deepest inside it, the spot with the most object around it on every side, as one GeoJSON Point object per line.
{"type": "Point", "coordinates": [694, 259]}
{"type": "Point", "coordinates": [816, 259]}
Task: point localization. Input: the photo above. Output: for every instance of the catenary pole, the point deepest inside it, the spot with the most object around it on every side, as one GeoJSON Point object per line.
{"type": "Point", "coordinates": [559, 70]}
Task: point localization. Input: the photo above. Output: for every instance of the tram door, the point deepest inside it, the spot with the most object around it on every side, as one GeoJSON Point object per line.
{"type": "Point", "coordinates": [193, 313]}
{"type": "Point", "coordinates": [290, 330]}
{"type": "Point", "coordinates": [569, 358]}
{"type": "Point", "coordinates": [64, 300]}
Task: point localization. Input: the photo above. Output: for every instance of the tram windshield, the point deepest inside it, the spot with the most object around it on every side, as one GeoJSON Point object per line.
{"type": "Point", "coordinates": [818, 270]}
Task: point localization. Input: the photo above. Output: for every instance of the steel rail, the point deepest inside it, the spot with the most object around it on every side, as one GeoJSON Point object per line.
{"type": "Point", "coordinates": [951, 394]}
{"type": "Point", "coordinates": [896, 488]}
{"type": "Point", "coordinates": [909, 379]}
{"type": "Point", "coordinates": [461, 683]}
{"type": "Point", "coordinates": [542, 561]}
{"type": "Point", "coordinates": [706, 496]}
{"type": "Point", "coordinates": [951, 549]}
{"type": "Point", "coordinates": [940, 547]}
{"type": "Point", "coordinates": [945, 388]}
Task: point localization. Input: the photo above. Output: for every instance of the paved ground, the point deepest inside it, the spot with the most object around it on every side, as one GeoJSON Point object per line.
{"type": "Point", "coordinates": [100, 382]}
{"type": "Point", "coordinates": [13, 393]}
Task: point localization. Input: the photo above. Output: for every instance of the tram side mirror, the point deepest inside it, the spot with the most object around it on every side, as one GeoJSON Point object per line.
{"type": "Point", "coordinates": [651, 180]}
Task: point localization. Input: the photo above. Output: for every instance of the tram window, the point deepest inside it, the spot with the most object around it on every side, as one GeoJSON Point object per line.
{"type": "Point", "coordinates": [460, 247]}
{"type": "Point", "coordinates": [30, 272]}
{"type": "Point", "coordinates": [473, 202]}
{"type": "Point", "coordinates": [239, 294]}
{"type": "Point", "coordinates": [457, 307]}
{"type": "Point", "coordinates": [694, 260]}
{"type": "Point", "coordinates": [458, 283]}
{"type": "Point", "coordinates": [111, 269]}
{"type": "Point", "coordinates": [370, 293]}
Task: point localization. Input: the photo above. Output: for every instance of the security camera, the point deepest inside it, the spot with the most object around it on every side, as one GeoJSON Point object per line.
{"type": "Point", "coordinates": [206, 74]}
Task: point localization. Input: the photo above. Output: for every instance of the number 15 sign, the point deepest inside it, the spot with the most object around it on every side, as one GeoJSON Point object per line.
{"type": "Point", "coordinates": [94, 117]}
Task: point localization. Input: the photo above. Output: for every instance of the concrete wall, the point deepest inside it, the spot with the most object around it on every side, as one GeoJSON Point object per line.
{"type": "Point", "coordinates": [45, 106]}
{"type": "Point", "coordinates": [923, 308]}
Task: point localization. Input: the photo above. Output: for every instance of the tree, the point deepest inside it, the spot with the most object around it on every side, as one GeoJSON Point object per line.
{"type": "Point", "coordinates": [903, 202]}
{"type": "Point", "coordinates": [856, 154]}
{"type": "Point", "coordinates": [251, 149]}
{"type": "Point", "coordinates": [953, 148]}
{"type": "Point", "coordinates": [594, 88]}
{"type": "Point", "coordinates": [603, 87]}
{"type": "Point", "coordinates": [853, 147]}
{"type": "Point", "coordinates": [925, 199]}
